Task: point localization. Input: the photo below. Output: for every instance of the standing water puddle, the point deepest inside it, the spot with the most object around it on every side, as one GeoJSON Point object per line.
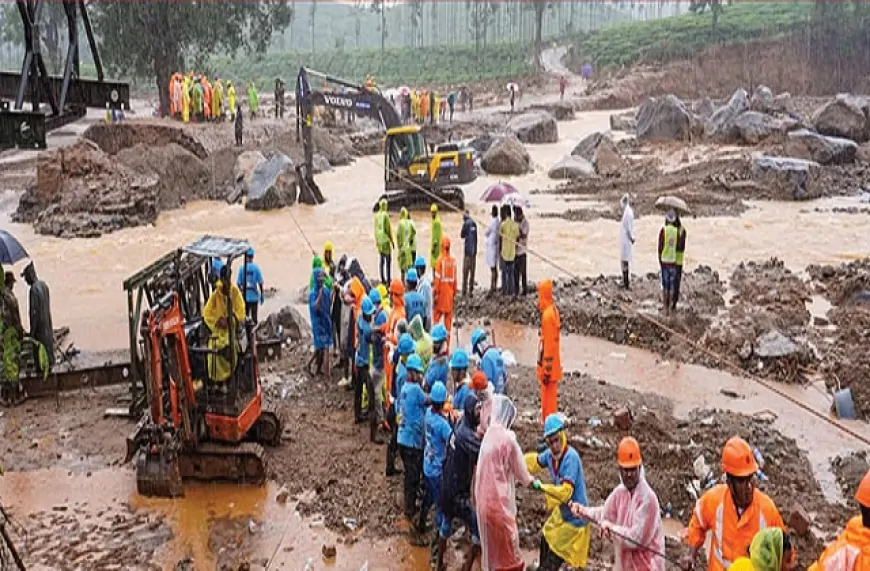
{"type": "Point", "coordinates": [695, 387]}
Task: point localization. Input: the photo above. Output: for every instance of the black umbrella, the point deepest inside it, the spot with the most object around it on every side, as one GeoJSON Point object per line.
{"type": "Point", "coordinates": [11, 250]}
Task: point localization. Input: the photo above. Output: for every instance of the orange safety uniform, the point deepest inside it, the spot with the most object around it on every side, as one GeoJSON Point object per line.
{"type": "Point", "coordinates": [549, 351]}
{"type": "Point", "coordinates": [358, 291]}
{"type": "Point", "coordinates": [850, 551]}
{"type": "Point", "coordinates": [206, 97]}
{"type": "Point", "coordinates": [715, 512]}
{"type": "Point", "coordinates": [444, 287]}
{"type": "Point", "coordinates": [397, 314]}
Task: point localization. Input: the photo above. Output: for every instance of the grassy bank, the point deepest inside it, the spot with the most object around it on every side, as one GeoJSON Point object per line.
{"type": "Point", "coordinates": [682, 36]}
{"type": "Point", "coordinates": [410, 66]}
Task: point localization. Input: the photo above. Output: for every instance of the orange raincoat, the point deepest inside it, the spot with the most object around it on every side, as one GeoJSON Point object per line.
{"type": "Point", "coordinates": [397, 314]}
{"type": "Point", "coordinates": [549, 352]}
{"type": "Point", "coordinates": [206, 97]}
{"type": "Point", "coordinates": [444, 287]}
{"type": "Point", "coordinates": [716, 513]}
{"type": "Point", "coordinates": [850, 552]}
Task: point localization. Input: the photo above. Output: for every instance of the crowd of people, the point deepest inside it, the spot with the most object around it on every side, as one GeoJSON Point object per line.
{"type": "Point", "coordinates": [193, 97]}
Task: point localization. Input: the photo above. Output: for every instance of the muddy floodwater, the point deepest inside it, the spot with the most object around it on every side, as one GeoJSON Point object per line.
{"type": "Point", "coordinates": [85, 275]}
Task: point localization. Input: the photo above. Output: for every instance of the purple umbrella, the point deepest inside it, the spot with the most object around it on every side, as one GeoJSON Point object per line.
{"type": "Point", "coordinates": [498, 191]}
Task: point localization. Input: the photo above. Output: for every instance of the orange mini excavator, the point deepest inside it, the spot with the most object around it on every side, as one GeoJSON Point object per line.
{"type": "Point", "coordinates": [191, 426]}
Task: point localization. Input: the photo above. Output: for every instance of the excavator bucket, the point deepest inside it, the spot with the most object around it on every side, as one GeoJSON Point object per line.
{"type": "Point", "coordinates": [158, 474]}
{"type": "Point", "coordinates": [309, 192]}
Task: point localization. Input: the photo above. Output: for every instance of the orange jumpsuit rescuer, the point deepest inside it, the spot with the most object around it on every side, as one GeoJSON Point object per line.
{"type": "Point", "coordinates": [549, 352]}
{"type": "Point", "coordinates": [444, 287]}
{"type": "Point", "coordinates": [716, 512]}
{"type": "Point", "coordinates": [851, 551]}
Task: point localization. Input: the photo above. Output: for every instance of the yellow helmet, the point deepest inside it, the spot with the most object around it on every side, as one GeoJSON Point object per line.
{"type": "Point", "coordinates": [434, 208]}
{"type": "Point", "coordinates": [742, 564]}
{"type": "Point", "coordinates": [328, 247]}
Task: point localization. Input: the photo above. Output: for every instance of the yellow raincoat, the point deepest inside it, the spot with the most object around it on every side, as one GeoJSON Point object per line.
{"type": "Point", "coordinates": [217, 100]}
{"type": "Point", "coordinates": [185, 100]}
{"type": "Point", "coordinates": [231, 98]}
{"type": "Point", "coordinates": [219, 367]}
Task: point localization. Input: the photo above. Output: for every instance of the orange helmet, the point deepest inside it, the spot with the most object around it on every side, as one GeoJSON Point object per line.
{"type": "Point", "coordinates": [628, 453]}
{"type": "Point", "coordinates": [445, 243]}
{"type": "Point", "coordinates": [738, 459]}
{"type": "Point", "coordinates": [863, 493]}
{"type": "Point", "coordinates": [479, 381]}
{"type": "Point", "coordinates": [396, 287]}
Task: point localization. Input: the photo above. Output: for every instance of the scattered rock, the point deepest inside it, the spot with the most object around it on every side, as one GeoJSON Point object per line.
{"type": "Point", "coordinates": [752, 127]}
{"type": "Point", "coordinates": [607, 160]}
{"type": "Point", "coordinates": [293, 324]}
{"type": "Point", "coordinates": [821, 321]}
{"type": "Point", "coordinates": [774, 344]}
{"type": "Point", "coordinates": [561, 110]}
{"type": "Point", "coordinates": [272, 184]}
{"type": "Point", "coordinates": [622, 419]}
{"type": "Point", "coordinates": [244, 168]}
{"type": "Point", "coordinates": [534, 127]}
{"type": "Point", "coordinates": [721, 123]}
{"type": "Point", "coordinates": [623, 122]}
{"type": "Point", "coordinates": [571, 167]}
{"type": "Point", "coordinates": [762, 99]}
{"type": "Point", "coordinates": [704, 108]}
{"type": "Point", "coordinates": [587, 147]}
{"type": "Point", "coordinates": [663, 118]}
{"type": "Point", "coordinates": [328, 551]}
{"type": "Point", "coordinates": [795, 178]}
{"type": "Point", "coordinates": [283, 495]}
{"type": "Point", "coordinates": [798, 520]}
{"type": "Point", "coordinates": [506, 156]}
{"type": "Point", "coordinates": [782, 103]}
{"type": "Point", "coordinates": [845, 116]}
{"type": "Point", "coordinates": [824, 150]}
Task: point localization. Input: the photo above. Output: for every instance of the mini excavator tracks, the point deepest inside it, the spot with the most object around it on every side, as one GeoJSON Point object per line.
{"type": "Point", "coordinates": [418, 200]}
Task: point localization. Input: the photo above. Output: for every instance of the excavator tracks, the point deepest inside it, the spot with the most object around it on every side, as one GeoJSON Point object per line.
{"type": "Point", "coordinates": [268, 428]}
{"type": "Point", "coordinates": [418, 200]}
{"type": "Point", "coordinates": [244, 463]}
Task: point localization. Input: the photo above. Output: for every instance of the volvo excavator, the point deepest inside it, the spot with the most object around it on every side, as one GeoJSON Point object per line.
{"type": "Point", "coordinates": [414, 173]}
{"type": "Point", "coordinates": [194, 427]}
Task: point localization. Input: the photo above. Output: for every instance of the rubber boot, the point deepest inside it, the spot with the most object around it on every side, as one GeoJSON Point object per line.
{"type": "Point", "coordinates": [374, 436]}
{"type": "Point", "coordinates": [625, 283]}
{"type": "Point", "coordinates": [439, 556]}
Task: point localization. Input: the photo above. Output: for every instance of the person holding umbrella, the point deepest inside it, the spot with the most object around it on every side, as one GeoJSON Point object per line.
{"type": "Point", "coordinates": [11, 391]}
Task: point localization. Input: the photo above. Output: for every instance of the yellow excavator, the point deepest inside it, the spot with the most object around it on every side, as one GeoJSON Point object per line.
{"type": "Point", "coordinates": [414, 173]}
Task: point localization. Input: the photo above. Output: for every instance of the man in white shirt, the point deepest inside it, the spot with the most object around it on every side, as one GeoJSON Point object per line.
{"type": "Point", "coordinates": [492, 247]}
{"type": "Point", "coordinates": [626, 239]}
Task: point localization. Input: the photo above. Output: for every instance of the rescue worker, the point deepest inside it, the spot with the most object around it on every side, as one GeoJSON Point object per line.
{"type": "Point", "coordinates": [415, 305]}
{"type": "Point", "coordinates": [404, 349]}
{"type": "Point", "coordinates": [220, 320]}
{"type": "Point", "coordinates": [396, 294]}
{"type": "Point", "coordinates": [424, 286]}
{"type": "Point", "coordinates": [196, 96]}
{"type": "Point", "coordinates": [499, 467]}
{"type": "Point", "coordinates": [319, 309]}
{"type": "Point", "coordinates": [549, 351]}
{"type": "Point", "coordinates": [239, 128]}
{"type": "Point", "coordinates": [454, 498]}
{"type": "Point", "coordinates": [384, 241]}
{"type": "Point", "coordinates": [851, 550]}
{"type": "Point", "coordinates": [424, 107]}
{"type": "Point", "coordinates": [451, 103]}
{"type": "Point", "coordinates": [412, 408]}
{"type": "Point", "coordinates": [424, 347]}
{"type": "Point", "coordinates": [435, 235]}
{"type": "Point", "coordinates": [11, 390]}
{"type": "Point", "coordinates": [469, 260]}
{"type": "Point", "coordinates": [253, 99]}
{"type": "Point", "coordinates": [563, 83]}
{"type": "Point", "coordinates": [251, 279]}
{"type": "Point", "coordinates": [206, 98]}
{"type": "Point", "coordinates": [41, 327]}
{"type": "Point", "coordinates": [185, 101]}
{"type": "Point", "coordinates": [492, 249]}
{"type": "Point", "coordinates": [444, 287]}
{"type": "Point", "coordinates": [521, 267]}
{"type": "Point", "coordinates": [173, 79]}
{"type": "Point", "coordinates": [565, 537]}
{"type": "Point", "coordinates": [231, 99]}
{"type": "Point", "coordinates": [631, 511]}
{"type": "Point", "coordinates": [217, 100]}
{"type": "Point", "coordinates": [626, 239]}
{"type": "Point", "coordinates": [681, 251]}
{"type": "Point", "coordinates": [732, 513]}
{"type": "Point", "coordinates": [378, 375]}
{"type": "Point", "coordinates": [439, 366]}
{"type": "Point", "coordinates": [491, 361]}
{"type": "Point", "coordinates": [363, 356]}
{"type": "Point", "coordinates": [459, 377]}
{"type": "Point", "coordinates": [771, 550]}
{"type": "Point", "coordinates": [438, 429]}
{"type": "Point", "coordinates": [406, 236]}
{"type": "Point", "coordinates": [433, 107]}
{"type": "Point", "coordinates": [508, 233]}
{"type": "Point", "coordinates": [353, 294]}
{"type": "Point", "coordinates": [667, 250]}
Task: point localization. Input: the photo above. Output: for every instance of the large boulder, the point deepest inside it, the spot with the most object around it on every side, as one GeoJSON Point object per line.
{"type": "Point", "coordinates": [863, 154]}
{"type": "Point", "coordinates": [506, 156]}
{"type": "Point", "coordinates": [806, 144]}
{"type": "Point", "coordinates": [482, 143]}
{"type": "Point", "coordinates": [287, 323]}
{"type": "Point", "coordinates": [571, 167]}
{"type": "Point", "coordinates": [623, 122]}
{"type": "Point", "coordinates": [607, 160]}
{"type": "Point", "coordinates": [561, 110]}
{"type": "Point", "coordinates": [320, 164]}
{"type": "Point", "coordinates": [272, 184]}
{"type": "Point", "coordinates": [762, 99]}
{"type": "Point", "coordinates": [664, 119]}
{"type": "Point", "coordinates": [704, 108]}
{"type": "Point", "coordinates": [787, 177]}
{"type": "Point", "coordinates": [721, 123]}
{"type": "Point", "coordinates": [752, 127]}
{"type": "Point", "coordinates": [845, 116]}
{"type": "Point", "coordinates": [534, 127]}
{"type": "Point", "coordinates": [587, 147]}
{"type": "Point", "coordinates": [782, 103]}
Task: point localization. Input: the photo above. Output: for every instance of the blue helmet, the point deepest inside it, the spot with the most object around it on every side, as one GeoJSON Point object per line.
{"type": "Point", "coordinates": [478, 336]}
{"type": "Point", "coordinates": [250, 253]}
{"type": "Point", "coordinates": [459, 359]}
{"type": "Point", "coordinates": [411, 276]}
{"type": "Point", "coordinates": [553, 424]}
{"type": "Point", "coordinates": [381, 319]}
{"type": "Point", "coordinates": [420, 262]}
{"type": "Point", "coordinates": [439, 333]}
{"type": "Point", "coordinates": [367, 306]}
{"type": "Point", "coordinates": [375, 296]}
{"type": "Point", "coordinates": [438, 394]}
{"type": "Point", "coordinates": [415, 363]}
{"type": "Point", "coordinates": [406, 344]}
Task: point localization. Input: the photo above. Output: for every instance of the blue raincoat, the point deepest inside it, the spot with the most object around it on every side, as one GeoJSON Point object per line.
{"type": "Point", "coordinates": [321, 315]}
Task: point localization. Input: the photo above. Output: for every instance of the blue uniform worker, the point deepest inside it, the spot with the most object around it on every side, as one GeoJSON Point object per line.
{"type": "Point", "coordinates": [438, 430]}
{"type": "Point", "coordinates": [412, 410]}
{"type": "Point", "coordinates": [363, 356]}
{"type": "Point", "coordinates": [404, 349]}
{"type": "Point", "coordinates": [250, 281]}
{"type": "Point", "coordinates": [439, 365]}
{"type": "Point", "coordinates": [414, 303]}
{"type": "Point", "coordinates": [424, 286]}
